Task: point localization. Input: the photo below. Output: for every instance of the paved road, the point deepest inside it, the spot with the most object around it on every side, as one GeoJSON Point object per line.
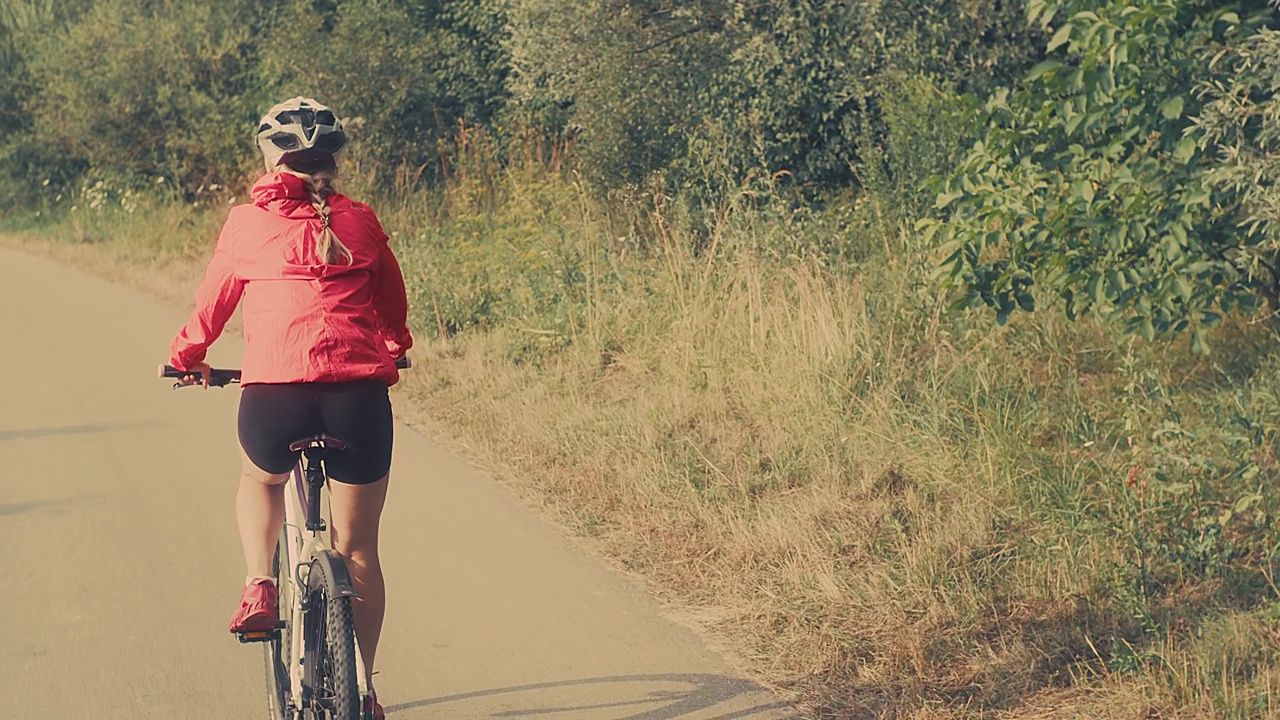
{"type": "Point", "coordinates": [122, 564]}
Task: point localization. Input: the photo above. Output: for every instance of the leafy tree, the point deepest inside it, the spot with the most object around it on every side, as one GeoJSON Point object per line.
{"type": "Point", "coordinates": [1239, 124]}
{"type": "Point", "coordinates": [628, 73]}
{"type": "Point", "coordinates": [411, 69]}
{"type": "Point", "coordinates": [787, 86]}
{"type": "Point", "coordinates": [22, 156]}
{"type": "Point", "coordinates": [1091, 178]}
{"type": "Point", "coordinates": [129, 88]}
{"type": "Point", "coordinates": [815, 82]}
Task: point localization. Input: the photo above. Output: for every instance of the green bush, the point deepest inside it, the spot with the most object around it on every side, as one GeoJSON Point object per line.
{"type": "Point", "coordinates": [923, 131]}
{"type": "Point", "coordinates": [23, 157]}
{"type": "Point", "coordinates": [1239, 125]}
{"type": "Point", "coordinates": [777, 87]}
{"type": "Point", "coordinates": [403, 74]}
{"type": "Point", "coordinates": [520, 265]}
{"type": "Point", "coordinates": [1092, 180]}
{"type": "Point", "coordinates": [130, 87]}
{"type": "Point", "coordinates": [627, 73]}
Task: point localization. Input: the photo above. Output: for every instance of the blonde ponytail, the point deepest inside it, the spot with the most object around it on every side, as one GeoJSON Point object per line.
{"type": "Point", "coordinates": [329, 248]}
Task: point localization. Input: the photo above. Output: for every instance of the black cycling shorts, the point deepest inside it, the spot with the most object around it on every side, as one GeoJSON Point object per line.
{"type": "Point", "coordinates": [274, 416]}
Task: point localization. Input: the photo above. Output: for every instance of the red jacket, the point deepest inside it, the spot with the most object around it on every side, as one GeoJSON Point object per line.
{"type": "Point", "coordinates": [304, 321]}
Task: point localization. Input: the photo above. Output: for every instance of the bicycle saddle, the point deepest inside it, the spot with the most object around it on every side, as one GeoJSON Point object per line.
{"type": "Point", "coordinates": [321, 440]}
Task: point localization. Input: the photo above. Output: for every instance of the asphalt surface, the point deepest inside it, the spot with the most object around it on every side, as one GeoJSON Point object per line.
{"type": "Point", "coordinates": [122, 562]}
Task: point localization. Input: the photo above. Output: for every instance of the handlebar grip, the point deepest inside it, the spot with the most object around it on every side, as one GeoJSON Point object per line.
{"type": "Point", "coordinates": [403, 362]}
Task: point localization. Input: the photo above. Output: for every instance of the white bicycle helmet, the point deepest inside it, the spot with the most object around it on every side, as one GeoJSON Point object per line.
{"type": "Point", "coordinates": [296, 126]}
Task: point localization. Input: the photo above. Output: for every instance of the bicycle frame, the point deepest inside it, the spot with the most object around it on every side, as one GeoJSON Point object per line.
{"type": "Point", "coordinates": [304, 542]}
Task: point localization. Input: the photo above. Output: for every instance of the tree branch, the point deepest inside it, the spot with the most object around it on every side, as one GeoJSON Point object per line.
{"type": "Point", "coordinates": [669, 40]}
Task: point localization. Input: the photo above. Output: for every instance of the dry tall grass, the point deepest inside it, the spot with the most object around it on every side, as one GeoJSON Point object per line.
{"type": "Point", "coordinates": [884, 509]}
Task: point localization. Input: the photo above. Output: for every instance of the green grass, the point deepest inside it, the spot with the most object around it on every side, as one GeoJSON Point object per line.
{"type": "Point", "coordinates": [880, 507]}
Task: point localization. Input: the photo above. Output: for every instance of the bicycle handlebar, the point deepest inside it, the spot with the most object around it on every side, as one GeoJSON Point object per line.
{"type": "Point", "coordinates": [223, 377]}
{"type": "Point", "coordinates": [217, 377]}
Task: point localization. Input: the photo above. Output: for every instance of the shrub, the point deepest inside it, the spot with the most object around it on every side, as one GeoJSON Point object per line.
{"type": "Point", "coordinates": [404, 74]}
{"type": "Point", "coordinates": [779, 87]}
{"type": "Point", "coordinates": [1090, 178]}
{"type": "Point", "coordinates": [130, 87]}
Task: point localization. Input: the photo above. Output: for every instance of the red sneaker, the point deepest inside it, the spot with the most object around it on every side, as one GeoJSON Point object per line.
{"type": "Point", "coordinates": [257, 608]}
{"type": "Point", "coordinates": [372, 710]}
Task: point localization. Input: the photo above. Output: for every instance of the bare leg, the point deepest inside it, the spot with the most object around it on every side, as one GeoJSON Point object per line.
{"type": "Point", "coordinates": [355, 511]}
{"type": "Point", "coordinates": [259, 514]}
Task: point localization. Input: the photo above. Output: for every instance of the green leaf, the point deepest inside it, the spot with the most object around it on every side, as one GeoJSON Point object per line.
{"type": "Point", "coordinates": [945, 199]}
{"type": "Point", "coordinates": [1074, 123]}
{"type": "Point", "coordinates": [1246, 501]}
{"type": "Point", "coordinates": [1025, 300]}
{"type": "Point", "coordinates": [1076, 82]}
{"type": "Point", "coordinates": [1034, 9]}
{"type": "Point", "coordinates": [1185, 150]}
{"type": "Point", "coordinates": [930, 230]}
{"type": "Point", "coordinates": [1198, 196]}
{"type": "Point", "coordinates": [1171, 109]}
{"type": "Point", "coordinates": [1043, 68]}
{"type": "Point", "coordinates": [1059, 38]}
{"type": "Point", "coordinates": [1198, 344]}
{"type": "Point", "coordinates": [1116, 283]}
{"type": "Point", "coordinates": [1116, 237]}
{"type": "Point", "coordinates": [1093, 286]}
{"type": "Point", "coordinates": [1147, 330]}
{"type": "Point", "coordinates": [1184, 287]}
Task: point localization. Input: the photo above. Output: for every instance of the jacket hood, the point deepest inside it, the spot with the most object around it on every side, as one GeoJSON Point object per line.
{"type": "Point", "coordinates": [286, 194]}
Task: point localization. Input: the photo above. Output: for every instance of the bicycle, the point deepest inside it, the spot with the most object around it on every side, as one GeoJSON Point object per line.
{"type": "Point", "coordinates": [315, 674]}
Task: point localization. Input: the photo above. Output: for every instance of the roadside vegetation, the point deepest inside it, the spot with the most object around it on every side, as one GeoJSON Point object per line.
{"type": "Point", "coordinates": [923, 357]}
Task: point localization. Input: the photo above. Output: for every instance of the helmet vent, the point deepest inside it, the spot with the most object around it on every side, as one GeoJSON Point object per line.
{"type": "Point", "coordinates": [305, 118]}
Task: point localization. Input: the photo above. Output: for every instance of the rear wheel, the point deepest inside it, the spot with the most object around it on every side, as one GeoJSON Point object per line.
{"type": "Point", "coordinates": [330, 649]}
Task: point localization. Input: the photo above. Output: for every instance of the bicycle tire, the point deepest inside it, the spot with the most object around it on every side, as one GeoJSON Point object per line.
{"type": "Point", "coordinates": [330, 648]}
{"type": "Point", "coordinates": [275, 653]}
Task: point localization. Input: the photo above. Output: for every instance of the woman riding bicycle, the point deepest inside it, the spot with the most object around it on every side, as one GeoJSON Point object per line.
{"type": "Point", "coordinates": [324, 322]}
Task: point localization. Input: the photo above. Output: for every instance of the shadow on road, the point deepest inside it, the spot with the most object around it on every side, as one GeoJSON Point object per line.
{"type": "Point", "coordinates": [29, 433]}
{"type": "Point", "coordinates": [56, 505]}
{"type": "Point", "coordinates": [702, 692]}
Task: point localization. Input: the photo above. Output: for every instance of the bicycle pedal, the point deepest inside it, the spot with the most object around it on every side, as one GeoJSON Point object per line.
{"type": "Point", "coordinates": [257, 636]}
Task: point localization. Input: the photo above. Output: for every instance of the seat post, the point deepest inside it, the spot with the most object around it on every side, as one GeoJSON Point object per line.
{"type": "Point", "coordinates": [313, 470]}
